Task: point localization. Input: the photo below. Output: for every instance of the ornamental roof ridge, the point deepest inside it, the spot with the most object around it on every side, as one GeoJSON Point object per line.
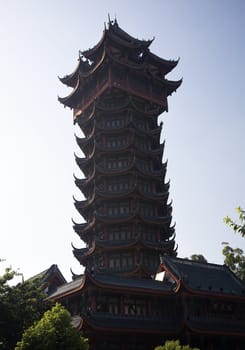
{"type": "Point", "coordinates": [113, 32]}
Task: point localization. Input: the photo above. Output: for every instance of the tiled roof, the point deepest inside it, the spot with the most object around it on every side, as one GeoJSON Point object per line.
{"type": "Point", "coordinates": [110, 280]}
{"type": "Point", "coordinates": [44, 275]}
{"type": "Point", "coordinates": [143, 283]}
{"type": "Point", "coordinates": [67, 287]}
{"type": "Point", "coordinates": [205, 276]}
{"type": "Point", "coordinates": [100, 320]}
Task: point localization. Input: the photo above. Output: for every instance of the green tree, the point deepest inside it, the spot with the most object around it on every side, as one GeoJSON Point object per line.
{"type": "Point", "coordinates": [20, 306]}
{"type": "Point", "coordinates": [235, 260]}
{"type": "Point", "coordinates": [198, 257]}
{"type": "Point", "coordinates": [174, 345]}
{"type": "Point", "coordinates": [53, 332]}
{"type": "Point", "coordinates": [237, 227]}
{"type": "Point", "coordinates": [5, 317]}
{"type": "Point", "coordinates": [234, 257]}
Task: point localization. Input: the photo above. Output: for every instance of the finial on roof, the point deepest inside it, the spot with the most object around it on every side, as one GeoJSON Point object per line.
{"type": "Point", "coordinates": [109, 20]}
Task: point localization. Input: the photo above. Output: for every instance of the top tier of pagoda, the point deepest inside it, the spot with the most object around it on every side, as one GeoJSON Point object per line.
{"type": "Point", "coordinates": [123, 62]}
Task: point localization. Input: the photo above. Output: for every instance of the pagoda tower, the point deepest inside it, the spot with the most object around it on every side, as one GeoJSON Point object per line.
{"type": "Point", "coordinates": [134, 293]}
{"type": "Point", "coordinates": [119, 90]}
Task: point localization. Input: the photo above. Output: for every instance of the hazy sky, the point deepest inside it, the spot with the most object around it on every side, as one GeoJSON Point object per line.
{"type": "Point", "coordinates": [204, 129]}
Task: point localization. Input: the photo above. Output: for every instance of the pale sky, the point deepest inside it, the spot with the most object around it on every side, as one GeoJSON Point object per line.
{"type": "Point", "coordinates": [204, 128]}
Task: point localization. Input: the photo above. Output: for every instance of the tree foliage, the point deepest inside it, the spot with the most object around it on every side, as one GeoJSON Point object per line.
{"type": "Point", "coordinates": [198, 257]}
{"type": "Point", "coordinates": [235, 260]}
{"type": "Point", "coordinates": [20, 306]}
{"type": "Point", "coordinates": [237, 227]}
{"type": "Point", "coordinates": [234, 257]}
{"type": "Point", "coordinates": [174, 345]}
{"type": "Point", "coordinates": [53, 332]}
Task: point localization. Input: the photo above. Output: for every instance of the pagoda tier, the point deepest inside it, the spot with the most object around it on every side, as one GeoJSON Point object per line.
{"type": "Point", "coordinates": [123, 64]}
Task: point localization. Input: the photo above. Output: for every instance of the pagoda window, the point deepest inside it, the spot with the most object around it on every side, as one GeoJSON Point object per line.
{"type": "Point", "coordinates": [101, 262]}
{"type": "Point", "coordinates": [116, 186]}
{"type": "Point", "coordinates": [117, 163]}
{"type": "Point", "coordinates": [142, 124]}
{"type": "Point", "coordinates": [114, 123]}
{"type": "Point", "coordinates": [144, 165]}
{"type": "Point", "coordinates": [101, 235]}
{"type": "Point", "coordinates": [120, 233]}
{"type": "Point", "coordinates": [134, 307]}
{"type": "Point", "coordinates": [121, 208]}
{"type": "Point", "coordinates": [146, 209]}
{"type": "Point", "coordinates": [114, 262]}
{"type": "Point", "coordinates": [150, 236]}
{"type": "Point", "coordinates": [143, 145]}
{"type": "Point", "coordinates": [122, 261]}
{"type": "Point", "coordinates": [113, 305]}
{"type": "Point", "coordinates": [150, 260]}
{"type": "Point", "coordinates": [126, 260]}
{"type": "Point", "coordinates": [146, 186]}
{"type": "Point", "coordinates": [116, 142]}
{"type": "Point", "coordinates": [101, 304]}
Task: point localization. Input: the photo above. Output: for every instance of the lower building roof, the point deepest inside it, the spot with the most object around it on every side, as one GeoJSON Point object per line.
{"type": "Point", "coordinates": [205, 277]}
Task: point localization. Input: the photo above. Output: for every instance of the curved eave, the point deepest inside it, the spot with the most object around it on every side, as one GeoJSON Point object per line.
{"type": "Point", "coordinates": [91, 53]}
{"type": "Point", "coordinates": [83, 183]}
{"type": "Point", "coordinates": [83, 162]}
{"type": "Point", "coordinates": [70, 100]}
{"type": "Point", "coordinates": [165, 66]}
{"type": "Point", "coordinates": [172, 86]}
{"type": "Point", "coordinates": [81, 206]}
{"type": "Point", "coordinates": [114, 27]}
{"type": "Point", "coordinates": [86, 144]}
{"type": "Point", "coordinates": [71, 79]}
{"type": "Point", "coordinates": [82, 229]}
{"type": "Point", "coordinates": [80, 254]}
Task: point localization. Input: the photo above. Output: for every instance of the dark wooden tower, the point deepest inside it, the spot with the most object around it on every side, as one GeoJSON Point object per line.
{"type": "Point", "coordinates": [119, 90]}
{"type": "Point", "coordinates": [135, 293]}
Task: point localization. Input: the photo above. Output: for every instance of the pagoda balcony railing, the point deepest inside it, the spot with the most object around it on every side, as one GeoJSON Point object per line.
{"type": "Point", "coordinates": [168, 318]}
{"type": "Point", "coordinates": [131, 189]}
{"type": "Point", "coordinates": [114, 169]}
{"type": "Point", "coordinates": [148, 218]}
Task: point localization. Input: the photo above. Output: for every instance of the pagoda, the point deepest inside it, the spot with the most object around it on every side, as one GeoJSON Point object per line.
{"type": "Point", "coordinates": [134, 292]}
{"type": "Point", "coordinates": [119, 90]}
